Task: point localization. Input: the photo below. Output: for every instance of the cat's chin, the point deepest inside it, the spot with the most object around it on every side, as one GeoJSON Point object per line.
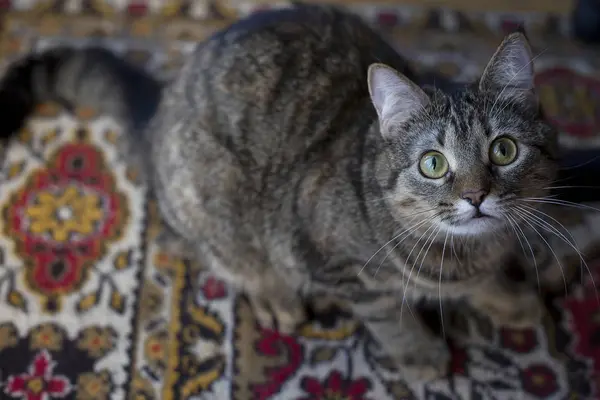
{"type": "Point", "coordinates": [475, 226]}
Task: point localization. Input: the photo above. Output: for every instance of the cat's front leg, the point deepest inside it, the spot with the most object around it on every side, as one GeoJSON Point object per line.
{"type": "Point", "coordinates": [280, 308]}
{"type": "Point", "coordinates": [273, 294]}
{"type": "Point", "coordinates": [507, 303]}
{"type": "Point", "coordinates": [418, 354]}
{"type": "Point", "coordinates": [276, 304]}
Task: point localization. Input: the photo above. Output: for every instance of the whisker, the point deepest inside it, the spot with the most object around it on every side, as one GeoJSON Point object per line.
{"type": "Point", "coordinates": [526, 219]}
{"type": "Point", "coordinates": [515, 226]}
{"type": "Point", "coordinates": [415, 263]}
{"type": "Point", "coordinates": [415, 226]}
{"type": "Point", "coordinates": [582, 261]}
{"type": "Point", "coordinates": [571, 187]}
{"type": "Point", "coordinates": [453, 249]}
{"type": "Point", "coordinates": [535, 210]}
{"type": "Point", "coordinates": [400, 242]}
{"type": "Point", "coordinates": [440, 287]}
{"type": "Point", "coordinates": [413, 248]}
{"type": "Point", "coordinates": [556, 232]}
{"type": "Point", "coordinates": [580, 165]}
{"type": "Point", "coordinates": [559, 202]}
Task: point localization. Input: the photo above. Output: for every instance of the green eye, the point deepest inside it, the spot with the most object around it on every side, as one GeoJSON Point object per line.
{"type": "Point", "coordinates": [503, 151]}
{"type": "Point", "coordinates": [433, 165]}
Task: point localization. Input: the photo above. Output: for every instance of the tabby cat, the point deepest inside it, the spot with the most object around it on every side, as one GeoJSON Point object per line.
{"type": "Point", "coordinates": [296, 153]}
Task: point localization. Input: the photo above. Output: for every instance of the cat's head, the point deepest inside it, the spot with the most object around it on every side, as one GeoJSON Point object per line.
{"type": "Point", "coordinates": [470, 162]}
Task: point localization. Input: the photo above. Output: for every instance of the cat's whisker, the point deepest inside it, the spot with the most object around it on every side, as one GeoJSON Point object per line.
{"type": "Point", "coordinates": [549, 228]}
{"type": "Point", "coordinates": [559, 202]}
{"type": "Point", "coordinates": [527, 219]}
{"type": "Point", "coordinates": [580, 165]}
{"type": "Point", "coordinates": [583, 263]}
{"type": "Point", "coordinates": [453, 249]}
{"type": "Point", "coordinates": [405, 302]}
{"type": "Point", "coordinates": [573, 244]}
{"type": "Point", "coordinates": [440, 287]}
{"type": "Point", "coordinates": [419, 240]}
{"type": "Point", "coordinates": [528, 243]}
{"type": "Point", "coordinates": [407, 231]}
{"type": "Point", "coordinates": [513, 198]}
{"type": "Point", "coordinates": [519, 233]}
{"type": "Point", "coordinates": [559, 180]}
{"type": "Point", "coordinates": [571, 187]}
{"type": "Point", "coordinates": [400, 242]}
{"type": "Point", "coordinates": [431, 240]}
{"type": "Point", "coordinates": [535, 210]}
{"type": "Point", "coordinates": [554, 230]}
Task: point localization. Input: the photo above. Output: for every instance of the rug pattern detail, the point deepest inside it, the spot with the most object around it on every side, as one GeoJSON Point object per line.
{"type": "Point", "coordinates": [92, 308]}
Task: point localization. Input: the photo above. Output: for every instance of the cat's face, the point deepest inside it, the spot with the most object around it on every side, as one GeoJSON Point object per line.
{"type": "Point", "coordinates": [471, 162]}
{"type": "Point", "coordinates": [468, 163]}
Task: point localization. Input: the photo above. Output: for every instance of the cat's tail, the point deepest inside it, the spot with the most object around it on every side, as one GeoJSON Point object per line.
{"type": "Point", "coordinates": [74, 77]}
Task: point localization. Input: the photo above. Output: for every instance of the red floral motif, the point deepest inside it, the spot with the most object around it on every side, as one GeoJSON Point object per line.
{"type": "Point", "coordinates": [460, 360]}
{"type": "Point", "coordinates": [63, 218]}
{"type": "Point", "coordinates": [213, 289]}
{"type": "Point", "coordinates": [570, 100]}
{"type": "Point", "coordinates": [584, 318]}
{"type": "Point", "coordinates": [39, 383]}
{"type": "Point", "coordinates": [510, 25]}
{"type": "Point", "coordinates": [273, 344]}
{"type": "Point", "coordinates": [335, 387]}
{"type": "Point", "coordinates": [137, 8]}
{"type": "Point", "coordinates": [539, 380]}
{"type": "Point", "coordinates": [387, 18]}
{"type": "Point", "coordinates": [518, 340]}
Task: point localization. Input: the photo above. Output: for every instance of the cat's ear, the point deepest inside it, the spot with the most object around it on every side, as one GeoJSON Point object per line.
{"type": "Point", "coordinates": [395, 97]}
{"type": "Point", "coordinates": [510, 72]}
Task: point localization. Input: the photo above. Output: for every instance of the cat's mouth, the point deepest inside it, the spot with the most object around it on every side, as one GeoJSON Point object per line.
{"type": "Point", "coordinates": [472, 221]}
{"type": "Point", "coordinates": [480, 214]}
{"type": "Point", "coordinates": [476, 224]}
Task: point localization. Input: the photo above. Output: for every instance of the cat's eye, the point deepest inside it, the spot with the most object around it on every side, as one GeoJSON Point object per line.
{"type": "Point", "coordinates": [503, 151]}
{"type": "Point", "coordinates": [433, 165]}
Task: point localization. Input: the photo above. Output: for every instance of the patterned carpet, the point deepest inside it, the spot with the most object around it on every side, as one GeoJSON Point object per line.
{"type": "Point", "coordinates": [91, 308]}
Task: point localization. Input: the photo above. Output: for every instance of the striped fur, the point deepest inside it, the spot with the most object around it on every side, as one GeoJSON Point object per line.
{"type": "Point", "coordinates": [270, 161]}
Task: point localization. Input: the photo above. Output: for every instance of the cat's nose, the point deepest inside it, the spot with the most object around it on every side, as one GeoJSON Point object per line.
{"type": "Point", "coordinates": [474, 197]}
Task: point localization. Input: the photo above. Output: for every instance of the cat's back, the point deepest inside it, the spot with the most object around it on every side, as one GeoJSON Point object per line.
{"type": "Point", "coordinates": [277, 81]}
{"type": "Point", "coordinates": [259, 108]}
{"type": "Point", "coordinates": [290, 46]}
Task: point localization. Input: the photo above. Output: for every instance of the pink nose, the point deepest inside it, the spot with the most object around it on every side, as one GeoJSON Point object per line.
{"type": "Point", "coordinates": [474, 197]}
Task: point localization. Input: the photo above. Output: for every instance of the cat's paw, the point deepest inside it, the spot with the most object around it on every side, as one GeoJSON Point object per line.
{"type": "Point", "coordinates": [424, 361]}
{"type": "Point", "coordinates": [524, 310]}
{"type": "Point", "coordinates": [280, 313]}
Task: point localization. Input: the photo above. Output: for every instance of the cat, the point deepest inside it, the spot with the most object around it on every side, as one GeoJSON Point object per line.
{"type": "Point", "coordinates": [296, 153]}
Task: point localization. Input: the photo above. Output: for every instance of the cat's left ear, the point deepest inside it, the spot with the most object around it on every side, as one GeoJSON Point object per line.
{"type": "Point", "coordinates": [510, 72]}
{"type": "Point", "coordinates": [395, 97]}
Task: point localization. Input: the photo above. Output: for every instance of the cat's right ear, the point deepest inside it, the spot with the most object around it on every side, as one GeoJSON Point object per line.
{"type": "Point", "coordinates": [395, 97]}
{"type": "Point", "coordinates": [510, 73]}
